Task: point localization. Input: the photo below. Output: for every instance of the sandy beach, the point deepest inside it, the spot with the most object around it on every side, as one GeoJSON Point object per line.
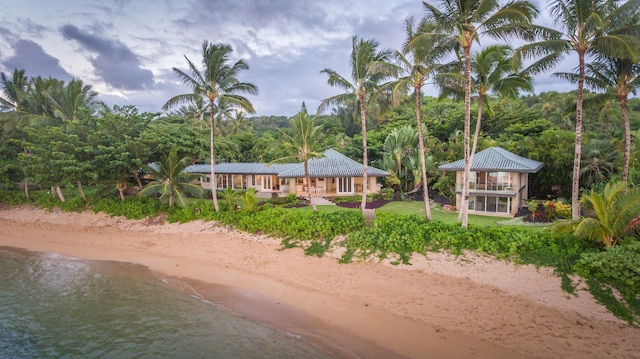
{"type": "Point", "coordinates": [441, 306]}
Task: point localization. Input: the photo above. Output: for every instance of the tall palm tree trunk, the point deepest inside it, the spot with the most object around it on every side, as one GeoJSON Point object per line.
{"type": "Point", "coordinates": [214, 184]}
{"type": "Point", "coordinates": [464, 201]}
{"type": "Point", "coordinates": [425, 184]}
{"type": "Point", "coordinates": [306, 175]}
{"type": "Point", "coordinates": [476, 134]}
{"type": "Point", "coordinates": [627, 138]}
{"type": "Point", "coordinates": [575, 189]}
{"type": "Point", "coordinates": [365, 157]}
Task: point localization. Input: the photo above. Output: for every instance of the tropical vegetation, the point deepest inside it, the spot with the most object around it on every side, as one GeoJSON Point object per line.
{"type": "Point", "coordinates": [405, 111]}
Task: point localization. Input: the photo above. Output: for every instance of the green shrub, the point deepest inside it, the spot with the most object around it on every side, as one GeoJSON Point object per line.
{"type": "Point", "coordinates": [405, 235]}
{"type": "Point", "coordinates": [44, 199]}
{"type": "Point", "coordinates": [291, 198]}
{"type": "Point", "coordinates": [614, 268]}
{"type": "Point", "coordinates": [202, 209]}
{"type": "Point", "coordinates": [343, 199]}
{"type": "Point", "coordinates": [310, 230]}
{"type": "Point", "coordinates": [13, 197]}
{"type": "Point", "coordinates": [73, 204]}
{"type": "Point", "coordinates": [618, 266]}
{"type": "Point", "coordinates": [131, 207]}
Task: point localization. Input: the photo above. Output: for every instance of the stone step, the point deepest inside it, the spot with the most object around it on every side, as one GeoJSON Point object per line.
{"type": "Point", "coordinates": [321, 201]}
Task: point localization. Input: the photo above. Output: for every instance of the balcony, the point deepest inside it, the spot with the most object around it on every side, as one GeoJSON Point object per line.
{"type": "Point", "coordinates": [489, 188]}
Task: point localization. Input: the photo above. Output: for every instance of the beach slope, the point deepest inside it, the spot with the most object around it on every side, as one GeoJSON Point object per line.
{"type": "Point", "coordinates": [441, 306]}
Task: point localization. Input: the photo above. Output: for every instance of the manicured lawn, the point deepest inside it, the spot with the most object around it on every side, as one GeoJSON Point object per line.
{"type": "Point", "coordinates": [417, 208]}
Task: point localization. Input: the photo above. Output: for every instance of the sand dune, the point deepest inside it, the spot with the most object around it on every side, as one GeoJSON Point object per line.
{"type": "Point", "coordinates": [441, 306]}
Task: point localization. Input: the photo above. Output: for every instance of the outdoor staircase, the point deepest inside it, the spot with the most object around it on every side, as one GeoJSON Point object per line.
{"type": "Point", "coordinates": [321, 201]}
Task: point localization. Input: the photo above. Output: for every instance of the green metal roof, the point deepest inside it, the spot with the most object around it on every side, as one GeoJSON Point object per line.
{"type": "Point", "coordinates": [496, 159]}
{"type": "Point", "coordinates": [243, 168]}
{"type": "Point", "coordinates": [332, 164]}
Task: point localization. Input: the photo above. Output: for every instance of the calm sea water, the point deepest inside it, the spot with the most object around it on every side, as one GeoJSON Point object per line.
{"type": "Point", "coordinates": [57, 307]}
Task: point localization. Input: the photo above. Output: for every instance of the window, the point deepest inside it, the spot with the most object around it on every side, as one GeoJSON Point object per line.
{"type": "Point", "coordinates": [345, 185]}
{"type": "Point", "coordinates": [503, 205]}
{"type": "Point", "coordinates": [499, 181]}
{"type": "Point", "coordinates": [473, 180]}
{"type": "Point", "coordinates": [490, 204]}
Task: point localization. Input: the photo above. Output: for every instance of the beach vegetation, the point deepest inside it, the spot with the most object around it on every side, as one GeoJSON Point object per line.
{"type": "Point", "coordinates": [230, 197]}
{"type": "Point", "coordinates": [616, 213]}
{"type": "Point", "coordinates": [615, 268]}
{"type": "Point", "coordinates": [130, 208]}
{"type": "Point", "coordinates": [311, 230]}
{"type": "Point", "coordinates": [12, 197]}
{"type": "Point", "coordinates": [170, 180]}
{"type": "Point", "coordinates": [250, 201]}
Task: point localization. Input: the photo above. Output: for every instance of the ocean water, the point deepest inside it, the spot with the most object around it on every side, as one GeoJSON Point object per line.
{"type": "Point", "coordinates": [58, 307]}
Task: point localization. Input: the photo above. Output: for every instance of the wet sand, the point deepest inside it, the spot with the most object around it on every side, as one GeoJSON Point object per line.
{"type": "Point", "coordinates": [439, 307]}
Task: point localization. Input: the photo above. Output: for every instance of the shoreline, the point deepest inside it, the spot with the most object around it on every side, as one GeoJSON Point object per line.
{"type": "Point", "coordinates": [441, 306]}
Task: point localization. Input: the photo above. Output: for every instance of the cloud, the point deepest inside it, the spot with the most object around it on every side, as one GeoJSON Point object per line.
{"type": "Point", "coordinates": [31, 57]}
{"type": "Point", "coordinates": [115, 63]}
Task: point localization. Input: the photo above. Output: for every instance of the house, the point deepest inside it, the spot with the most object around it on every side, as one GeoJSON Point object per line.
{"type": "Point", "coordinates": [498, 181]}
{"type": "Point", "coordinates": [333, 174]}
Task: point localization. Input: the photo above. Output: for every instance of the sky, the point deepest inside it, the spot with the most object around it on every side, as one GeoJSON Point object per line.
{"type": "Point", "coordinates": [126, 49]}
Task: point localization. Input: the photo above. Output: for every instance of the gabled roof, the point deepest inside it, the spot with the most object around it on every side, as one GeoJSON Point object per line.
{"type": "Point", "coordinates": [496, 159]}
{"type": "Point", "coordinates": [332, 164]}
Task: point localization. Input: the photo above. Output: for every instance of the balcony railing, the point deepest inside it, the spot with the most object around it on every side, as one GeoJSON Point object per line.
{"type": "Point", "coordinates": [481, 187]}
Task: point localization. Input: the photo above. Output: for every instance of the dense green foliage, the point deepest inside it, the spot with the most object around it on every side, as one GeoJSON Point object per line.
{"type": "Point", "coordinates": [130, 208]}
{"type": "Point", "coordinates": [312, 230]}
{"type": "Point", "coordinates": [13, 197]}
{"type": "Point", "coordinates": [404, 235]}
{"type": "Point", "coordinates": [618, 268]}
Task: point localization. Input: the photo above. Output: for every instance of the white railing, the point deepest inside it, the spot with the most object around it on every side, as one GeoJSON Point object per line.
{"type": "Point", "coordinates": [481, 187]}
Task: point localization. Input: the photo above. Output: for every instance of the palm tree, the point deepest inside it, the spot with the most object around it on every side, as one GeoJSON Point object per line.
{"type": "Point", "coordinates": [462, 23]}
{"type": "Point", "coordinates": [494, 70]}
{"type": "Point", "coordinates": [587, 27]}
{"type": "Point", "coordinates": [14, 88]}
{"type": "Point", "coordinates": [597, 162]}
{"type": "Point", "coordinates": [230, 198]}
{"type": "Point", "coordinates": [619, 78]}
{"type": "Point", "coordinates": [194, 112]}
{"type": "Point", "coordinates": [218, 83]}
{"type": "Point", "coordinates": [70, 100]}
{"type": "Point", "coordinates": [418, 62]}
{"type": "Point", "coordinates": [369, 67]}
{"type": "Point", "coordinates": [171, 181]}
{"type": "Point", "coordinates": [617, 212]}
{"type": "Point", "coordinates": [398, 146]}
{"type": "Point", "coordinates": [304, 142]}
